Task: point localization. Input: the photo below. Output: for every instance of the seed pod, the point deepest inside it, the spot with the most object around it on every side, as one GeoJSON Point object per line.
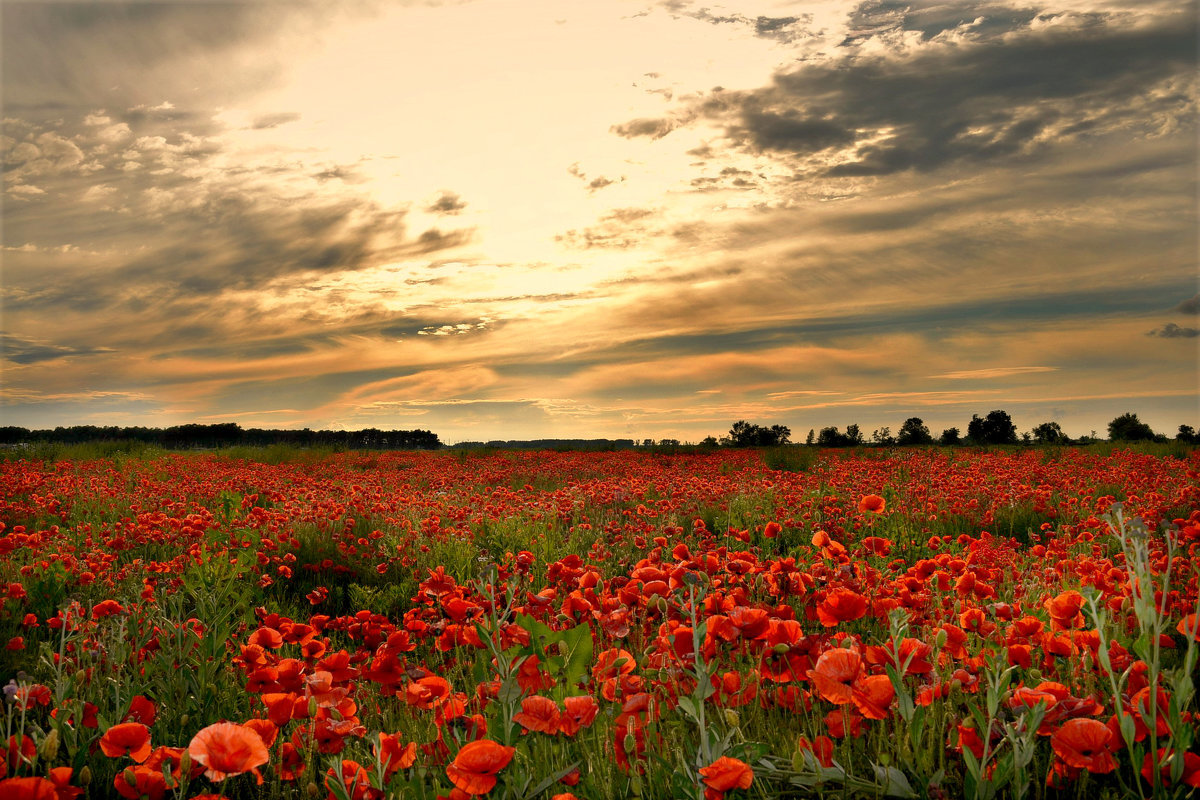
{"type": "Point", "coordinates": [49, 748]}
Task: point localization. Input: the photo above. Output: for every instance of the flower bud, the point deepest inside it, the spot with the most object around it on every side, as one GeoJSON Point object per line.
{"type": "Point", "coordinates": [563, 649]}
{"type": "Point", "coordinates": [781, 648]}
{"type": "Point", "coordinates": [312, 707]}
{"type": "Point", "coordinates": [630, 743]}
{"type": "Point", "coordinates": [185, 762]}
{"type": "Point", "coordinates": [731, 717]}
{"type": "Point", "coordinates": [80, 676]}
{"type": "Point", "coordinates": [85, 775]}
{"type": "Point", "coordinates": [939, 641]}
{"type": "Point", "coordinates": [130, 778]}
{"type": "Point", "coordinates": [313, 790]}
{"type": "Point", "coordinates": [183, 719]}
{"type": "Point", "coordinates": [49, 748]}
{"type": "Point", "coordinates": [1035, 674]}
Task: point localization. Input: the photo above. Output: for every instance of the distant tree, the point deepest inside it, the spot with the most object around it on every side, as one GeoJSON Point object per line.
{"type": "Point", "coordinates": [853, 435]}
{"type": "Point", "coordinates": [709, 441]}
{"type": "Point", "coordinates": [996, 428]}
{"type": "Point", "coordinates": [883, 436]}
{"type": "Point", "coordinates": [744, 434]}
{"type": "Point", "coordinates": [949, 437]}
{"type": "Point", "coordinates": [1187, 434]}
{"type": "Point", "coordinates": [831, 437]}
{"type": "Point", "coordinates": [11, 434]}
{"type": "Point", "coordinates": [668, 443]}
{"type": "Point", "coordinates": [647, 443]}
{"type": "Point", "coordinates": [914, 431]}
{"type": "Point", "coordinates": [1049, 433]}
{"type": "Point", "coordinates": [811, 436]}
{"type": "Point", "coordinates": [1128, 428]}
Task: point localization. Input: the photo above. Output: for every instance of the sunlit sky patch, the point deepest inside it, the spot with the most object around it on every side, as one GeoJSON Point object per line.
{"type": "Point", "coordinates": [578, 219]}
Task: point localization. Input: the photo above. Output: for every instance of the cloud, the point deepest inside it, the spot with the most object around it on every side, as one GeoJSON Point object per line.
{"type": "Point", "coordinates": [265, 121]}
{"type": "Point", "coordinates": [1008, 87]}
{"type": "Point", "coordinates": [21, 350]}
{"type": "Point", "coordinates": [1173, 331]}
{"type": "Point", "coordinates": [993, 372]}
{"type": "Point", "coordinates": [1189, 306]}
{"type": "Point", "coordinates": [446, 203]}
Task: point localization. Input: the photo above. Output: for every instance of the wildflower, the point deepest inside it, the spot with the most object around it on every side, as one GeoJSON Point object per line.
{"type": "Point", "coordinates": [475, 767]}
{"type": "Point", "coordinates": [132, 738]}
{"type": "Point", "coordinates": [393, 755]}
{"type": "Point", "coordinates": [841, 605]}
{"type": "Point", "coordinates": [228, 749]}
{"type": "Point", "coordinates": [724, 774]}
{"type": "Point", "coordinates": [538, 714]}
{"type": "Point", "coordinates": [1084, 744]}
{"type": "Point", "coordinates": [873, 503]}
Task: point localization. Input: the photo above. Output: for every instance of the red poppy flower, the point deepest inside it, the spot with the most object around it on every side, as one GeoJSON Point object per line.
{"type": "Point", "coordinates": [475, 767]}
{"type": "Point", "coordinates": [132, 738]}
{"type": "Point", "coordinates": [394, 755]}
{"type": "Point", "coordinates": [538, 714]}
{"type": "Point", "coordinates": [1064, 610]}
{"type": "Point", "coordinates": [578, 713]}
{"type": "Point", "coordinates": [1084, 744]}
{"type": "Point", "coordinates": [772, 530]}
{"type": "Point", "coordinates": [27, 789]}
{"type": "Point", "coordinates": [873, 503]}
{"type": "Point", "coordinates": [1191, 768]}
{"type": "Point", "coordinates": [724, 774]}
{"type": "Point", "coordinates": [834, 673]}
{"type": "Point", "coordinates": [227, 749]}
{"type": "Point", "coordinates": [139, 783]}
{"type": "Point", "coordinates": [1190, 626]}
{"type": "Point", "coordinates": [841, 605]}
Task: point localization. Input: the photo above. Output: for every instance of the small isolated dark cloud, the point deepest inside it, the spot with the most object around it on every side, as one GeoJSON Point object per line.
{"type": "Point", "coordinates": [1189, 306]}
{"type": "Point", "coordinates": [654, 127]}
{"type": "Point", "coordinates": [447, 203]}
{"type": "Point", "coordinates": [782, 29]}
{"type": "Point", "coordinates": [31, 351]}
{"type": "Point", "coordinates": [1173, 331]}
{"type": "Point", "coordinates": [264, 121]}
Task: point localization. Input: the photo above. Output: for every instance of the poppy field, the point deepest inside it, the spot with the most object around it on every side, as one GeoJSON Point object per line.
{"type": "Point", "coordinates": [925, 623]}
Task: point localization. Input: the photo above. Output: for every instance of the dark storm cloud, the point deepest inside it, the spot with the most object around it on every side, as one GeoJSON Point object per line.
{"type": "Point", "coordinates": [1173, 331]}
{"type": "Point", "coordinates": [1004, 88]}
{"type": "Point", "coordinates": [28, 351]}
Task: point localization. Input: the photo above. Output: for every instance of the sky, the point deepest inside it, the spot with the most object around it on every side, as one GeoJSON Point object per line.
{"type": "Point", "coordinates": [508, 219]}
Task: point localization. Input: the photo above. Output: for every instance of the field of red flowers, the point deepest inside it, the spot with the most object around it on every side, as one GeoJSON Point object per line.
{"type": "Point", "coordinates": [910, 623]}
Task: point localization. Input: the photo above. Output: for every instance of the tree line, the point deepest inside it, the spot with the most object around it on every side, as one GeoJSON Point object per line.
{"type": "Point", "coordinates": [995, 428]}
{"type": "Point", "coordinates": [193, 436]}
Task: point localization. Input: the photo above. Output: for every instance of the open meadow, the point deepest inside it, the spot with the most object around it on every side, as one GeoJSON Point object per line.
{"type": "Point", "coordinates": [927, 622]}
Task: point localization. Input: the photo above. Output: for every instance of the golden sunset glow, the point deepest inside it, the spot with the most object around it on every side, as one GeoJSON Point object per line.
{"type": "Point", "coordinates": [501, 220]}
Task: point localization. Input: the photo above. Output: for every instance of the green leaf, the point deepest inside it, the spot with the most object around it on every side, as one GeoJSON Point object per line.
{"type": "Point", "coordinates": [895, 781]}
{"type": "Point", "coordinates": [551, 779]}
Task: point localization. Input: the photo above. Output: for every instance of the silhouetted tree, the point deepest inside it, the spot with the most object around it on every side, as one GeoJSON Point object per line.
{"type": "Point", "coordinates": [854, 435]}
{"type": "Point", "coordinates": [831, 437]}
{"type": "Point", "coordinates": [914, 431]}
{"type": "Point", "coordinates": [1128, 428]}
{"type": "Point", "coordinates": [996, 428]}
{"type": "Point", "coordinates": [883, 436]}
{"type": "Point", "coordinates": [949, 437]}
{"type": "Point", "coordinates": [744, 434]}
{"type": "Point", "coordinates": [1187, 434]}
{"type": "Point", "coordinates": [1049, 433]}
{"type": "Point", "coordinates": [811, 436]}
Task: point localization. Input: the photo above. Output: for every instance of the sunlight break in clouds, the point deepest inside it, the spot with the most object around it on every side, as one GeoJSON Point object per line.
{"type": "Point", "coordinates": [628, 219]}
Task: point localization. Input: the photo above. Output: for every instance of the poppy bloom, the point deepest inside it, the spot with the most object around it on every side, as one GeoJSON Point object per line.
{"type": "Point", "coordinates": [834, 673]}
{"type": "Point", "coordinates": [1084, 744]}
{"type": "Point", "coordinates": [841, 605]}
{"type": "Point", "coordinates": [228, 749]}
{"type": "Point", "coordinates": [395, 756]}
{"type": "Point", "coordinates": [538, 714]}
{"type": "Point", "coordinates": [1191, 768]}
{"type": "Point", "coordinates": [1064, 610]}
{"type": "Point", "coordinates": [28, 789]}
{"type": "Point", "coordinates": [873, 503]}
{"type": "Point", "coordinates": [475, 767]}
{"type": "Point", "coordinates": [579, 712]}
{"type": "Point", "coordinates": [1190, 626]}
{"type": "Point", "coordinates": [132, 738]}
{"type": "Point", "coordinates": [724, 774]}
{"type": "Point", "coordinates": [772, 530]}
